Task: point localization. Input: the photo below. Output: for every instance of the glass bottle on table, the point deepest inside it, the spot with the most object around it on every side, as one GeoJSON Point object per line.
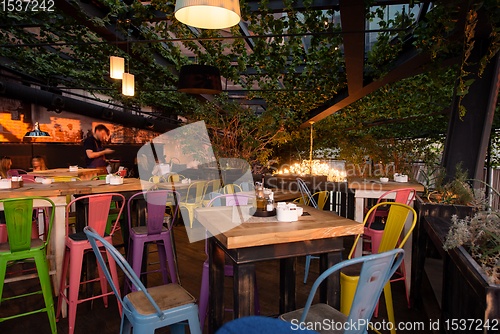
{"type": "Point", "coordinates": [270, 202]}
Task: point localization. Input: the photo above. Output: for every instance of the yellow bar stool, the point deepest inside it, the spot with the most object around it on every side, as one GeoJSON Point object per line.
{"type": "Point", "coordinates": [396, 219]}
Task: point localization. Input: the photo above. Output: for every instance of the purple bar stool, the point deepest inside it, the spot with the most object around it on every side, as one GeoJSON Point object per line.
{"type": "Point", "coordinates": [154, 231]}
{"type": "Point", "coordinates": [216, 200]}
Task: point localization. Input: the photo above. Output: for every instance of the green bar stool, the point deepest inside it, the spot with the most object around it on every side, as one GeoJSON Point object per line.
{"type": "Point", "coordinates": [20, 246]}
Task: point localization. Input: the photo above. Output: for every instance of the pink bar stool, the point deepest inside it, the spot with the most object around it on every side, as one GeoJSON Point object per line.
{"type": "Point", "coordinates": [77, 245]}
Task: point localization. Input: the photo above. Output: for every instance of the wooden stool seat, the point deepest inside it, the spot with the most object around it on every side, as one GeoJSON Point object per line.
{"type": "Point", "coordinates": [144, 229]}
{"type": "Point", "coordinates": [166, 296]}
{"type": "Point", "coordinates": [317, 314]}
{"type": "Point", "coordinates": [35, 243]}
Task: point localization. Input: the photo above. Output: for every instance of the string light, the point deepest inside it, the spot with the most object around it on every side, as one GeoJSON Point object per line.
{"type": "Point", "coordinates": [318, 168]}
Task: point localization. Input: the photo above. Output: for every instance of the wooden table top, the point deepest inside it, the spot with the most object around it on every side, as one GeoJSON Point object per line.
{"type": "Point", "coordinates": [375, 184]}
{"type": "Point", "coordinates": [82, 188]}
{"type": "Point", "coordinates": [65, 172]}
{"type": "Point", "coordinates": [318, 225]}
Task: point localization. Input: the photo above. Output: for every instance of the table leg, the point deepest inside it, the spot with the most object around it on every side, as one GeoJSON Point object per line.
{"type": "Point", "coordinates": [359, 215]}
{"type": "Point", "coordinates": [288, 268]}
{"type": "Point", "coordinates": [57, 243]}
{"type": "Point", "coordinates": [243, 290]}
{"type": "Point", "coordinates": [329, 290]}
{"type": "Point", "coordinates": [216, 283]}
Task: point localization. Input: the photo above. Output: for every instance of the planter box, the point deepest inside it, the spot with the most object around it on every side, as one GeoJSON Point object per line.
{"type": "Point", "coordinates": [420, 246]}
{"type": "Point", "coordinates": [468, 301]}
{"type": "Point", "coordinates": [445, 211]}
{"type": "Point", "coordinates": [468, 295]}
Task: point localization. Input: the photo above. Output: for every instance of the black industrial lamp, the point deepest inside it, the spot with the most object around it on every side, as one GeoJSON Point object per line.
{"type": "Point", "coordinates": [199, 79]}
{"type": "Point", "coordinates": [36, 132]}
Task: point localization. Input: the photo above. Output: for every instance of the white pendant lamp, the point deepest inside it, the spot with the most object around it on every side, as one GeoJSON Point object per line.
{"type": "Point", "coordinates": [128, 84]}
{"type": "Point", "coordinates": [208, 14]}
{"type": "Point", "coordinates": [116, 67]}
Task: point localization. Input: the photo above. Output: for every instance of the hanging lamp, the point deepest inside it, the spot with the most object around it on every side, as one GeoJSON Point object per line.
{"type": "Point", "coordinates": [128, 84]}
{"type": "Point", "coordinates": [199, 79]}
{"type": "Point", "coordinates": [116, 67]}
{"type": "Point", "coordinates": [36, 132]}
{"type": "Point", "coordinates": [208, 14]}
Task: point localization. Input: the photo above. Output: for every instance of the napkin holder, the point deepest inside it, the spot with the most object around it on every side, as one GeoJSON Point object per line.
{"type": "Point", "coordinates": [288, 212]}
{"type": "Point", "coordinates": [73, 168]}
{"type": "Point", "coordinates": [17, 182]}
{"type": "Point", "coordinates": [400, 178]}
{"type": "Point", "coordinates": [5, 183]}
{"type": "Point", "coordinates": [115, 180]}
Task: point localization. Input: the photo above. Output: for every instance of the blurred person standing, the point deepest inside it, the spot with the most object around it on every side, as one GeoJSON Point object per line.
{"type": "Point", "coordinates": [95, 153]}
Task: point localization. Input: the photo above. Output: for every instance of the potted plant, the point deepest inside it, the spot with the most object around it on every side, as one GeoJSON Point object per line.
{"type": "Point", "coordinates": [472, 273]}
{"type": "Point", "coordinates": [444, 196]}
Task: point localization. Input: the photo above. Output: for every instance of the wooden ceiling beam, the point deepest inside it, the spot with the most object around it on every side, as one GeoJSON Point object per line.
{"type": "Point", "coordinates": [352, 15]}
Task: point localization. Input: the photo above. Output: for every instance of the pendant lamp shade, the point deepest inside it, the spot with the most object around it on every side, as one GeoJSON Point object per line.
{"type": "Point", "coordinates": [199, 79]}
{"type": "Point", "coordinates": [208, 14]}
{"type": "Point", "coordinates": [36, 132]}
{"type": "Point", "coordinates": [128, 84]}
{"type": "Point", "coordinates": [116, 67]}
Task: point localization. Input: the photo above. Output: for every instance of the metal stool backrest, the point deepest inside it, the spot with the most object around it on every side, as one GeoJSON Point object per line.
{"type": "Point", "coordinates": [92, 235]}
{"type": "Point", "coordinates": [195, 196]}
{"type": "Point", "coordinates": [18, 216]}
{"type": "Point", "coordinates": [403, 196]}
{"type": "Point", "coordinates": [396, 220]}
{"type": "Point", "coordinates": [306, 194]}
{"type": "Point", "coordinates": [230, 200]}
{"type": "Point", "coordinates": [15, 172]}
{"type": "Point", "coordinates": [156, 203]}
{"type": "Point", "coordinates": [376, 271]}
{"type": "Point", "coordinates": [98, 211]}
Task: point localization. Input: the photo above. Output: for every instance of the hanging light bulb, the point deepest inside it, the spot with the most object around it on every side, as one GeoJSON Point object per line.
{"type": "Point", "coordinates": [128, 84]}
{"type": "Point", "coordinates": [116, 67]}
{"type": "Point", "coordinates": [208, 14]}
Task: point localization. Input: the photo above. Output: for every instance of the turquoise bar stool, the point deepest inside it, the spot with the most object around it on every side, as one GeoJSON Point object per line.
{"type": "Point", "coordinates": [148, 309]}
{"type": "Point", "coordinates": [375, 274]}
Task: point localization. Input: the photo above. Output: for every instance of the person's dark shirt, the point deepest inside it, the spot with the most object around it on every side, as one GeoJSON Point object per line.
{"type": "Point", "coordinates": [91, 143]}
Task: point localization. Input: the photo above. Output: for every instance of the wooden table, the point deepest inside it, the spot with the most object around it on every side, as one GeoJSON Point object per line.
{"type": "Point", "coordinates": [82, 173]}
{"type": "Point", "coordinates": [319, 232]}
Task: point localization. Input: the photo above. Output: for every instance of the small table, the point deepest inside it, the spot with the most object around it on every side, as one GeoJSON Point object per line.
{"type": "Point", "coordinates": [261, 239]}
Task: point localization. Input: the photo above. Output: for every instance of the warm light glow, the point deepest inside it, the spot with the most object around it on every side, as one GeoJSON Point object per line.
{"type": "Point", "coordinates": [208, 14]}
{"type": "Point", "coordinates": [116, 67]}
{"type": "Point", "coordinates": [318, 168]}
{"type": "Point", "coordinates": [128, 84]}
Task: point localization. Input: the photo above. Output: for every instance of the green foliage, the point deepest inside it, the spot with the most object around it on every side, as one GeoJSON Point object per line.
{"type": "Point", "coordinates": [236, 132]}
{"type": "Point", "coordinates": [441, 188]}
{"type": "Point", "coordinates": [480, 236]}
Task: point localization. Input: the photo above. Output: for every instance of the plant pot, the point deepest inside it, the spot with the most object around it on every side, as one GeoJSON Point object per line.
{"type": "Point", "coordinates": [468, 295]}
{"type": "Point", "coordinates": [420, 247]}
{"type": "Point", "coordinates": [442, 210]}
